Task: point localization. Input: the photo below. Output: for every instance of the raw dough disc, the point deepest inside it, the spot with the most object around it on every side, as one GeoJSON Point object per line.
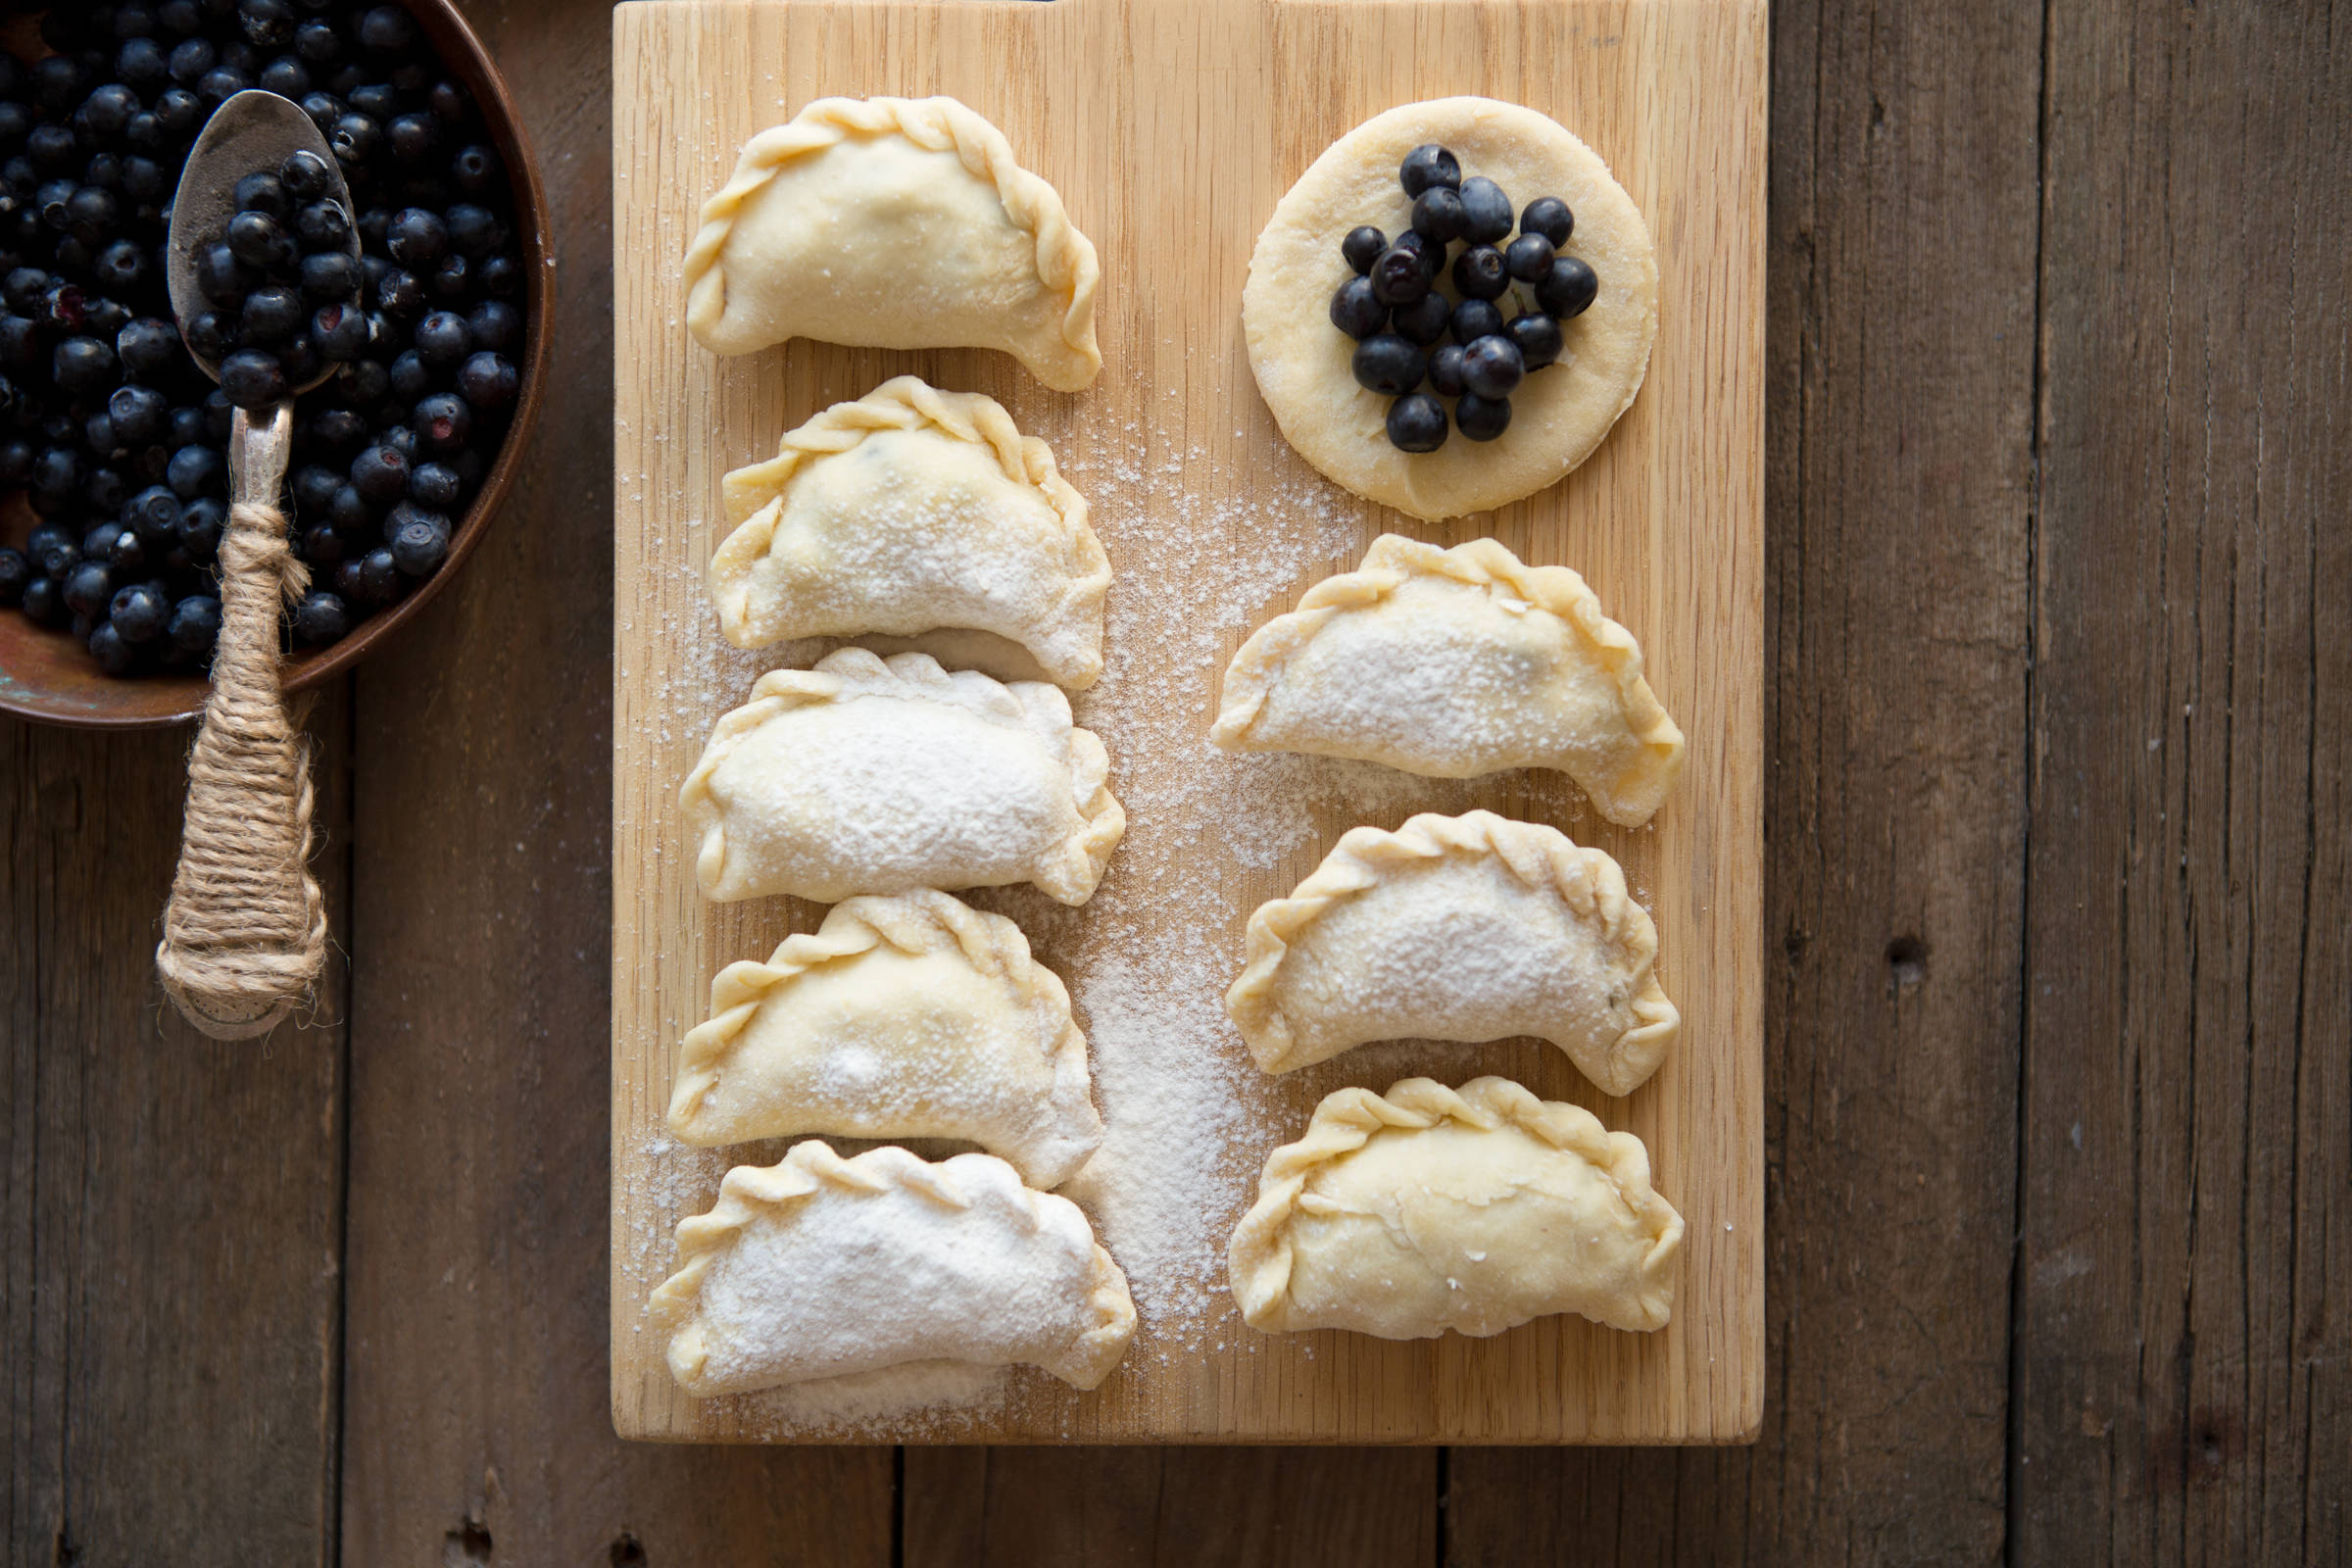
{"type": "Point", "coordinates": [1559, 415]}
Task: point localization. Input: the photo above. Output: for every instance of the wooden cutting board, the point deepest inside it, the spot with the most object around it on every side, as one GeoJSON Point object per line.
{"type": "Point", "coordinates": [1171, 127]}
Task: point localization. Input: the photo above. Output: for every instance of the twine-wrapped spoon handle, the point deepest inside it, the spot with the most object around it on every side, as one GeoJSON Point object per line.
{"type": "Point", "coordinates": [245, 933]}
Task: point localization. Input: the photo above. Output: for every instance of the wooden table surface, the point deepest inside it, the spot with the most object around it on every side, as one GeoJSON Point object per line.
{"type": "Point", "coordinates": [2059, 1053]}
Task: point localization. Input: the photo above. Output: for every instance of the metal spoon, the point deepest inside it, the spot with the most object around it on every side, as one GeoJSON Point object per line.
{"type": "Point", "coordinates": [245, 933]}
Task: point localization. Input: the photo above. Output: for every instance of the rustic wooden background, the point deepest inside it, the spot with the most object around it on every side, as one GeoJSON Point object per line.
{"type": "Point", "coordinates": [2060, 1045]}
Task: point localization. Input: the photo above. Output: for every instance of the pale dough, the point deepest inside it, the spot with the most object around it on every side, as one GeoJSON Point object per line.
{"type": "Point", "coordinates": [1559, 415]}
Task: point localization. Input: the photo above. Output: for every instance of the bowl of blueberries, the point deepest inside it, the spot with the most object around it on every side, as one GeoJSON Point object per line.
{"type": "Point", "coordinates": [414, 317]}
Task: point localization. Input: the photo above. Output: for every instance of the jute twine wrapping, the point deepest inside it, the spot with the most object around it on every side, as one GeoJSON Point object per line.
{"type": "Point", "coordinates": [245, 933]}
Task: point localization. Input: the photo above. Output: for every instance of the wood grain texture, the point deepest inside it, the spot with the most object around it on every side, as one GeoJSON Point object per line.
{"type": "Point", "coordinates": [1234, 1506]}
{"type": "Point", "coordinates": [2181, 1369]}
{"type": "Point", "coordinates": [476, 1430]}
{"type": "Point", "coordinates": [1903, 229]}
{"type": "Point", "coordinates": [1157, 119]}
{"type": "Point", "coordinates": [170, 1292]}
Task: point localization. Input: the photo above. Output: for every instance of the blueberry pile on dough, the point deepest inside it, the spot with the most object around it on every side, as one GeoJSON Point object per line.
{"type": "Point", "coordinates": [1475, 1209]}
{"type": "Point", "coordinates": [873, 775]}
{"type": "Point", "coordinates": [908, 510]}
{"type": "Point", "coordinates": [1399, 237]}
{"type": "Point", "coordinates": [1456, 663]}
{"type": "Point", "coordinates": [897, 223]}
{"type": "Point", "coordinates": [1465, 928]}
{"type": "Point", "coordinates": [913, 1017]}
{"type": "Point", "coordinates": [823, 1267]}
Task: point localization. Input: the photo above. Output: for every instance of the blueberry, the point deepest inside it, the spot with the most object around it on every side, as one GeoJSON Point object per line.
{"type": "Point", "coordinates": [474, 170]}
{"type": "Point", "coordinates": [1389, 365]}
{"type": "Point", "coordinates": [1356, 309]}
{"type": "Point", "coordinates": [378, 577]}
{"type": "Point", "coordinates": [324, 225]}
{"type": "Point", "coordinates": [142, 65]}
{"type": "Point", "coordinates": [16, 462]}
{"type": "Point", "coordinates": [339, 332]}
{"type": "Point", "coordinates": [436, 486]}
{"type": "Point", "coordinates": [493, 327]}
{"type": "Point", "coordinates": [269, 23]}
{"type": "Point", "coordinates": [1362, 247]}
{"type": "Point", "coordinates": [122, 266]}
{"type": "Point", "coordinates": [140, 414]}
{"type": "Point", "coordinates": [1439, 214]}
{"type": "Point", "coordinates": [112, 650]}
{"type": "Point", "coordinates": [51, 549]}
{"type": "Point", "coordinates": [420, 543]}
{"type": "Point", "coordinates": [19, 342]}
{"type": "Point", "coordinates": [318, 42]}
{"type": "Point", "coordinates": [348, 512]}
{"type": "Point", "coordinates": [56, 471]}
{"type": "Point", "coordinates": [354, 139]}
{"type": "Point", "coordinates": [106, 490]}
{"type": "Point", "coordinates": [91, 211]}
{"type": "Point", "coordinates": [1478, 273]}
{"type": "Point", "coordinates": [313, 488]}
{"type": "Point", "coordinates": [410, 380]}
{"type": "Point", "coordinates": [301, 363]}
{"type": "Point", "coordinates": [321, 619]}
{"type": "Point", "coordinates": [44, 602]}
{"type": "Point", "coordinates": [253, 378]}
{"type": "Point", "coordinates": [1446, 370]}
{"type": "Point", "coordinates": [1423, 321]}
{"type": "Point", "coordinates": [1568, 288]}
{"type": "Point", "coordinates": [23, 289]}
{"type": "Point", "coordinates": [1398, 276]}
{"type": "Point", "coordinates": [441, 339]}
{"type": "Point", "coordinates": [86, 589]}
{"type": "Point", "coordinates": [272, 316]}
{"type": "Point", "coordinates": [50, 146]}
{"type": "Point", "coordinates": [338, 429]}
{"type": "Point", "coordinates": [220, 416]}
{"type": "Point", "coordinates": [499, 277]}
{"type": "Point", "coordinates": [377, 100]}
{"type": "Point", "coordinates": [138, 612]}
{"type": "Point", "coordinates": [286, 76]}
{"type": "Point", "coordinates": [1475, 318]}
{"type": "Point", "coordinates": [331, 276]}
{"type": "Point", "coordinates": [99, 439]}
{"type": "Point", "coordinates": [1426, 166]}
{"type": "Point", "coordinates": [304, 173]}
{"type": "Point", "coordinates": [387, 31]}
{"type": "Point", "coordinates": [260, 241]}
{"type": "Point", "coordinates": [324, 109]}
{"type": "Point", "coordinates": [154, 515]}
{"type": "Point", "coordinates": [263, 192]}
{"type": "Point", "coordinates": [1488, 210]}
{"type": "Point", "coordinates": [107, 112]}
{"type": "Point", "coordinates": [126, 553]}
{"type": "Point", "coordinates": [1538, 336]}
{"type": "Point", "coordinates": [191, 60]}
{"type": "Point", "coordinates": [450, 282]}
{"type": "Point", "coordinates": [1528, 258]}
{"type": "Point", "coordinates": [1550, 216]}
{"type": "Point", "coordinates": [1416, 423]}
{"type": "Point", "coordinates": [380, 474]}
{"type": "Point", "coordinates": [1431, 257]}
{"type": "Point", "coordinates": [200, 522]}
{"type": "Point", "coordinates": [367, 383]}
{"type": "Point", "coordinates": [413, 138]}
{"type": "Point", "coordinates": [194, 624]}
{"type": "Point", "coordinates": [443, 422]}
{"type": "Point", "coordinates": [223, 279]}
{"type": "Point", "coordinates": [1481, 418]}
{"type": "Point", "coordinates": [213, 335]}
{"type": "Point", "coordinates": [15, 572]}
{"type": "Point", "coordinates": [321, 545]}
{"type": "Point", "coordinates": [416, 238]}
{"type": "Point", "coordinates": [194, 471]}
{"type": "Point", "coordinates": [1493, 368]}
{"type": "Point", "coordinates": [147, 347]}
{"type": "Point", "coordinates": [222, 84]}
{"type": "Point", "coordinates": [179, 111]}
{"type": "Point", "coordinates": [84, 367]}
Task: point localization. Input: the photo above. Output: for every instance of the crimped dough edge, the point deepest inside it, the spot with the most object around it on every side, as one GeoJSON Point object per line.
{"type": "Point", "coordinates": [1259, 1259]}
{"type": "Point", "coordinates": [1066, 262]}
{"type": "Point", "coordinates": [748, 1190]}
{"type": "Point", "coordinates": [1628, 800]}
{"type": "Point", "coordinates": [912, 923]}
{"type": "Point", "coordinates": [1589, 881]}
{"type": "Point", "coordinates": [1069, 874]}
{"type": "Point", "coordinates": [1069, 647]}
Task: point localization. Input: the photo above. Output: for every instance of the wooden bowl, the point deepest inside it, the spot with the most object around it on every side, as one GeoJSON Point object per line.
{"type": "Point", "coordinates": [48, 676]}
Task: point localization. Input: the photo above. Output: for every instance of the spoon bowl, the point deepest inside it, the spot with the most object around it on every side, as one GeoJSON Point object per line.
{"type": "Point", "coordinates": [252, 132]}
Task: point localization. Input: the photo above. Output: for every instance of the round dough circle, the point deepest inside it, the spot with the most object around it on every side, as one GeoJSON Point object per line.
{"type": "Point", "coordinates": [1559, 415]}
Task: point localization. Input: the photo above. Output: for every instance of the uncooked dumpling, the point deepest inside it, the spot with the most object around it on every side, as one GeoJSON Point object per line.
{"type": "Point", "coordinates": [913, 1017]}
{"type": "Point", "coordinates": [908, 510]}
{"type": "Point", "coordinates": [1455, 662]}
{"type": "Point", "coordinates": [1476, 1210]}
{"type": "Point", "coordinates": [873, 775]}
{"type": "Point", "coordinates": [1469, 927]}
{"type": "Point", "coordinates": [894, 223]}
{"type": "Point", "coordinates": [820, 1267]}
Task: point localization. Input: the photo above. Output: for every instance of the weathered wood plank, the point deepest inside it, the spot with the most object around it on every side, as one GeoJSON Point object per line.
{"type": "Point", "coordinates": [170, 1292]}
{"type": "Point", "coordinates": [1109, 1507]}
{"type": "Point", "coordinates": [477, 1427]}
{"type": "Point", "coordinates": [1900, 350]}
{"type": "Point", "coordinates": [2187, 1145]}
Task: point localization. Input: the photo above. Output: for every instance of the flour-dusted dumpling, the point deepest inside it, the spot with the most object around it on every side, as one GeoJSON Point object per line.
{"type": "Point", "coordinates": [1476, 1210]}
{"type": "Point", "coordinates": [819, 1267]}
{"type": "Point", "coordinates": [913, 1017]}
{"type": "Point", "coordinates": [1455, 662]}
{"type": "Point", "coordinates": [894, 223]}
{"type": "Point", "coordinates": [1470, 927]}
{"type": "Point", "coordinates": [874, 775]}
{"type": "Point", "coordinates": [908, 510]}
